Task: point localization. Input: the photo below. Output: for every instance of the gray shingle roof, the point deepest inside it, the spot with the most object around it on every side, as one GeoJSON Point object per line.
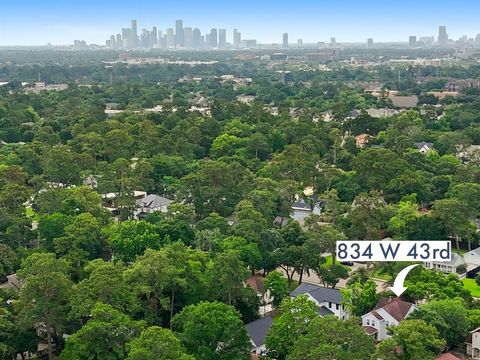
{"type": "Point", "coordinates": [258, 329]}
{"type": "Point", "coordinates": [153, 201]}
{"type": "Point", "coordinates": [319, 293]}
{"type": "Point", "coordinates": [323, 311]}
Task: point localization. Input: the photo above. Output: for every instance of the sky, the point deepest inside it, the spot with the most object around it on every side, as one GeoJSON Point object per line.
{"type": "Point", "coordinates": [37, 22]}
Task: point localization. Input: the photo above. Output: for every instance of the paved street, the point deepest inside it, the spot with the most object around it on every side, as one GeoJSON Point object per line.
{"type": "Point", "coordinates": [314, 279]}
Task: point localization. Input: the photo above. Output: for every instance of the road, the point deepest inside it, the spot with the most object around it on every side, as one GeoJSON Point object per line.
{"type": "Point", "coordinates": [342, 283]}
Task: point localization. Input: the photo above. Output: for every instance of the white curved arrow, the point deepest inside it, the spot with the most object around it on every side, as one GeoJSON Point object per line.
{"type": "Point", "coordinates": [398, 287]}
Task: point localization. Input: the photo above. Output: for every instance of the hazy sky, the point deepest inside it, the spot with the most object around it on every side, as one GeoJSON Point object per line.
{"type": "Point", "coordinates": [36, 22]}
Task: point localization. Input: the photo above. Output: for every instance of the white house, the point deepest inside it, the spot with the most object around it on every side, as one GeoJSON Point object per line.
{"type": "Point", "coordinates": [424, 147]}
{"type": "Point", "coordinates": [301, 209]}
{"type": "Point", "coordinates": [449, 267]}
{"type": "Point", "coordinates": [150, 204]}
{"type": "Point", "coordinates": [473, 344]}
{"type": "Point", "coordinates": [388, 312]}
{"type": "Point", "coordinates": [257, 331]}
{"type": "Point", "coordinates": [329, 301]}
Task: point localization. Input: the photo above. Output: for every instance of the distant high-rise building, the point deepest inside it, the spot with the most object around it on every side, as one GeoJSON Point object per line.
{"type": "Point", "coordinates": [145, 38]}
{"type": "Point", "coordinates": [213, 38]}
{"type": "Point", "coordinates": [188, 33]}
{"type": "Point", "coordinates": [370, 43]}
{"type": "Point", "coordinates": [196, 38]}
{"type": "Point", "coordinates": [237, 39]}
{"type": "Point", "coordinates": [153, 37]}
{"type": "Point", "coordinates": [222, 38]}
{"type": "Point", "coordinates": [249, 43]}
{"type": "Point", "coordinates": [126, 37]}
{"type": "Point", "coordinates": [300, 43]}
{"type": "Point", "coordinates": [477, 41]}
{"type": "Point", "coordinates": [179, 34]}
{"type": "Point", "coordinates": [170, 38]}
{"type": "Point", "coordinates": [333, 42]}
{"type": "Point", "coordinates": [442, 35]}
{"type": "Point", "coordinates": [285, 40]}
{"type": "Point", "coordinates": [113, 41]}
{"type": "Point", "coordinates": [118, 41]}
{"type": "Point", "coordinates": [133, 34]}
{"type": "Point", "coordinates": [426, 40]}
{"type": "Point", "coordinates": [412, 41]}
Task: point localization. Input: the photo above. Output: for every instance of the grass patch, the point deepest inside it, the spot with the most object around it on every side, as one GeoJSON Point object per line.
{"type": "Point", "coordinates": [377, 275]}
{"type": "Point", "coordinates": [293, 285]}
{"type": "Point", "coordinates": [329, 260]}
{"type": "Point", "coordinates": [471, 286]}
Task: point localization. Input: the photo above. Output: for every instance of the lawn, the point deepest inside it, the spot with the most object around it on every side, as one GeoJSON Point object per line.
{"type": "Point", "coordinates": [329, 260]}
{"type": "Point", "coordinates": [472, 286]}
{"type": "Point", "coordinates": [376, 274]}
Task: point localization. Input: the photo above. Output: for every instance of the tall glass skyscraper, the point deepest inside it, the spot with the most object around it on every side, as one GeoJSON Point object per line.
{"type": "Point", "coordinates": [179, 33]}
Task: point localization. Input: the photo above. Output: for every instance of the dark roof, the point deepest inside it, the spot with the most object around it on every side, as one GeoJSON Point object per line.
{"type": "Point", "coordinates": [370, 330]}
{"type": "Point", "coordinates": [323, 311]}
{"type": "Point", "coordinates": [377, 315]}
{"type": "Point", "coordinates": [396, 307]}
{"type": "Point", "coordinates": [319, 293]}
{"type": "Point", "coordinates": [258, 329]}
{"type": "Point", "coordinates": [256, 283]}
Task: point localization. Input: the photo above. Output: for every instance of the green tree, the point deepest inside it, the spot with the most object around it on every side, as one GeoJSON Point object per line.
{"type": "Point", "coordinates": [360, 298]}
{"type": "Point", "coordinates": [330, 338]}
{"type": "Point", "coordinates": [456, 217]}
{"type": "Point", "coordinates": [132, 238]}
{"type": "Point", "coordinates": [411, 340]}
{"type": "Point", "coordinates": [293, 321]}
{"type": "Point", "coordinates": [277, 286]}
{"type": "Point", "coordinates": [212, 331]}
{"type": "Point", "coordinates": [156, 343]}
{"type": "Point", "coordinates": [104, 283]}
{"type": "Point", "coordinates": [104, 337]}
{"type": "Point", "coordinates": [226, 276]}
{"type": "Point", "coordinates": [45, 281]}
{"type": "Point", "coordinates": [448, 316]}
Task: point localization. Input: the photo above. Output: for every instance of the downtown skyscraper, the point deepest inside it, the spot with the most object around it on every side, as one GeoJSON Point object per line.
{"type": "Point", "coordinates": [179, 34]}
{"type": "Point", "coordinates": [442, 35]}
{"type": "Point", "coordinates": [177, 37]}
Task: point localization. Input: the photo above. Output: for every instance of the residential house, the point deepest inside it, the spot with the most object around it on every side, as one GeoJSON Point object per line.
{"type": "Point", "coordinates": [381, 113]}
{"type": "Point", "coordinates": [468, 153]}
{"type": "Point", "coordinates": [150, 204]}
{"type": "Point", "coordinates": [404, 101]}
{"type": "Point", "coordinates": [472, 258]}
{"type": "Point", "coordinates": [329, 301]}
{"type": "Point", "coordinates": [257, 331]}
{"type": "Point", "coordinates": [246, 99]}
{"type": "Point", "coordinates": [454, 266]}
{"type": "Point", "coordinates": [280, 221]}
{"type": "Point", "coordinates": [303, 208]}
{"type": "Point", "coordinates": [387, 312]}
{"type": "Point", "coordinates": [109, 200]}
{"type": "Point", "coordinates": [362, 140]}
{"type": "Point", "coordinates": [424, 147]}
{"type": "Point", "coordinates": [473, 344]}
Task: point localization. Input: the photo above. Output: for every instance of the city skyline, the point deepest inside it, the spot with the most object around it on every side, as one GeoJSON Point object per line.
{"type": "Point", "coordinates": [35, 23]}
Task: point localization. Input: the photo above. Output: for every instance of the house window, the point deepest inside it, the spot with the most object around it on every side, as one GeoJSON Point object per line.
{"type": "Point", "coordinates": [373, 322]}
{"type": "Point", "coordinates": [368, 322]}
{"type": "Point", "coordinates": [337, 306]}
{"type": "Point", "coordinates": [329, 305]}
